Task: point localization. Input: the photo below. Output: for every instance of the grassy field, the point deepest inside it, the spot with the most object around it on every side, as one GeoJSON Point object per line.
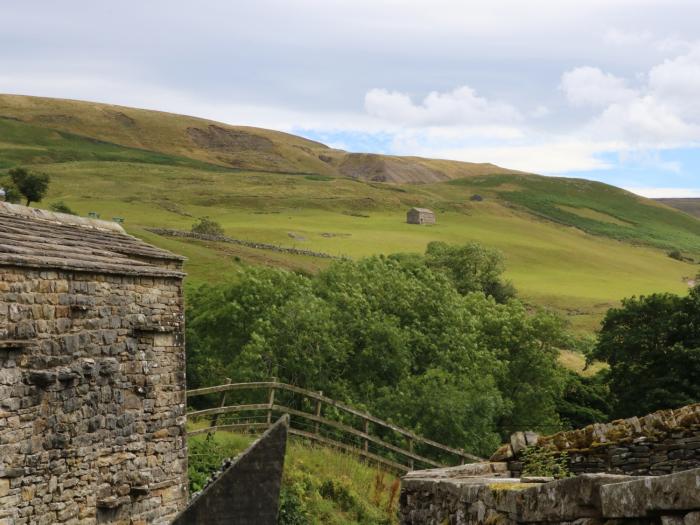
{"type": "Point", "coordinates": [572, 245]}
{"type": "Point", "coordinates": [551, 263]}
{"type": "Point", "coordinates": [326, 486]}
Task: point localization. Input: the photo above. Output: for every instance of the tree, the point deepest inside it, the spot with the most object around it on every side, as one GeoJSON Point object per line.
{"type": "Point", "coordinates": [32, 186]}
{"type": "Point", "coordinates": [12, 194]}
{"type": "Point", "coordinates": [652, 345]}
{"type": "Point", "coordinates": [391, 334]}
{"type": "Point", "coordinates": [471, 268]}
{"type": "Point", "coordinates": [585, 400]}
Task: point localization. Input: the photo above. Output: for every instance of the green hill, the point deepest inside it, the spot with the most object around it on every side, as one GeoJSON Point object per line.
{"type": "Point", "coordinates": [239, 147]}
{"type": "Point", "coordinates": [688, 205]}
{"type": "Point", "coordinates": [574, 245]}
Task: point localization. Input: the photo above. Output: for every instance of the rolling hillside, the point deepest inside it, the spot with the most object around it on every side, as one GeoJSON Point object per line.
{"type": "Point", "coordinates": [574, 245]}
{"type": "Point", "coordinates": [690, 205]}
{"type": "Point", "coordinates": [224, 145]}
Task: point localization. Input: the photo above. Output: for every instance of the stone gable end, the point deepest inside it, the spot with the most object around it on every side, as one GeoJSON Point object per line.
{"type": "Point", "coordinates": [92, 374]}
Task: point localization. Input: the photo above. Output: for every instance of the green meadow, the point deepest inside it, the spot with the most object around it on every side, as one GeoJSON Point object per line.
{"type": "Point", "coordinates": [552, 263]}
{"type": "Point", "coordinates": [572, 245]}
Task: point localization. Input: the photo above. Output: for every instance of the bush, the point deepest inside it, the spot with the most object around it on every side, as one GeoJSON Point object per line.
{"type": "Point", "coordinates": [61, 207]}
{"type": "Point", "coordinates": [548, 462]}
{"type": "Point", "coordinates": [206, 226]}
{"type": "Point", "coordinates": [205, 456]}
{"type": "Point", "coordinates": [676, 254]}
{"type": "Point", "coordinates": [292, 509]}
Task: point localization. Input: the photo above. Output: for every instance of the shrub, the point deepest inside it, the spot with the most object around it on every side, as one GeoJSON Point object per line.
{"type": "Point", "coordinates": [206, 226]}
{"type": "Point", "coordinates": [676, 254]}
{"type": "Point", "coordinates": [292, 510]}
{"type": "Point", "coordinates": [61, 207]}
{"type": "Point", "coordinates": [543, 461]}
{"type": "Point", "coordinates": [205, 457]}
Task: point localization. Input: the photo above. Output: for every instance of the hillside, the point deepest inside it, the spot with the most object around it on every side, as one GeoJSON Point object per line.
{"type": "Point", "coordinates": [238, 147]}
{"type": "Point", "coordinates": [690, 206]}
{"type": "Point", "coordinates": [574, 245]}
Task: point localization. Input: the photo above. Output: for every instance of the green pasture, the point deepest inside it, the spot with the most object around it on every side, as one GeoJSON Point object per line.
{"type": "Point", "coordinates": [552, 263]}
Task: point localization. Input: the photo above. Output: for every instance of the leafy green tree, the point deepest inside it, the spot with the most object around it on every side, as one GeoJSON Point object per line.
{"type": "Point", "coordinates": [526, 347]}
{"type": "Point", "coordinates": [391, 334]}
{"type": "Point", "coordinates": [12, 194]}
{"type": "Point", "coordinates": [32, 186]}
{"type": "Point", "coordinates": [585, 400]}
{"type": "Point", "coordinates": [453, 408]}
{"type": "Point", "coordinates": [471, 267]}
{"type": "Point", "coordinates": [652, 344]}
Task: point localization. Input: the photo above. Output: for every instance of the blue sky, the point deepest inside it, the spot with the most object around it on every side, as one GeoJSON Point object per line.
{"type": "Point", "coordinates": [596, 89]}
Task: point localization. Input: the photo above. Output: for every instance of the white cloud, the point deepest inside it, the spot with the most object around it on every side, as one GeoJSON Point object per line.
{"type": "Point", "coordinates": [546, 155]}
{"type": "Point", "coordinates": [462, 106]}
{"type": "Point", "coordinates": [540, 111]}
{"type": "Point", "coordinates": [644, 121]}
{"type": "Point", "coordinates": [589, 86]}
{"type": "Point", "coordinates": [677, 83]}
{"type": "Point", "coordinates": [620, 37]}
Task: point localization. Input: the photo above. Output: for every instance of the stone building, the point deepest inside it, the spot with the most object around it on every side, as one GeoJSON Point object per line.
{"type": "Point", "coordinates": [92, 373]}
{"type": "Point", "coordinates": [420, 216]}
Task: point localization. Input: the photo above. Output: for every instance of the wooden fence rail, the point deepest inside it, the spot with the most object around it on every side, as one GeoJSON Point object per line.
{"type": "Point", "coordinates": [317, 421]}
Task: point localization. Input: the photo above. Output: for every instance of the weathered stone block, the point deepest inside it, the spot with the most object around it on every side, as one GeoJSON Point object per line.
{"type": "Point", "coordinates": [680, 491]}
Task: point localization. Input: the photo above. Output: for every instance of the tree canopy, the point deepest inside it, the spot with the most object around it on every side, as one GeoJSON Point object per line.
{"type": "Point", "coordinates": [32, 186]}
{"type": "Point", "coordinates": [415, 339]}
{"type": "Point", "coordinates": [652, 344]}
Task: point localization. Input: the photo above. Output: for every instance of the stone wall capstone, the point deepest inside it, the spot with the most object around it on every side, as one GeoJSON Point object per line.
{"type": "Point", "coordinates": [589, 499]}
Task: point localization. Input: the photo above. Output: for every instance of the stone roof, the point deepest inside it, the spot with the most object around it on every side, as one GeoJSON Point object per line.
{"type": "Point", "coordinates": [46, 240]}
{"type": "Point", "coordinates": [422, 210]}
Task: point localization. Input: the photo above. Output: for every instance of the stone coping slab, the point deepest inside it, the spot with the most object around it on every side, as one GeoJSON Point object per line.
{"type": "Point", "coordinates": [651, 495]}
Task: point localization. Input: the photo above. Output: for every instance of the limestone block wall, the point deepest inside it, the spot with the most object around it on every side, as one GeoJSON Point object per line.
{"type": "Point", "coordinates": [92, 398]}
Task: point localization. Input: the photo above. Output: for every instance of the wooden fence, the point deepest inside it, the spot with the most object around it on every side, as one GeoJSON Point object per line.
{"type": "Point", "coordinates": [339, 429]}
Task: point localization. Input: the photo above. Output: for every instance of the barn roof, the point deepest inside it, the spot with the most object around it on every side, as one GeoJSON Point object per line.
{"type": "Point", "coordinates": [46, 240]}
{"type": "Point", "coordinates": [423, 210]}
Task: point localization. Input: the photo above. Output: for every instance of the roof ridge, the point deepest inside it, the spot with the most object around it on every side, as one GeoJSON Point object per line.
{"type": "Point", "coordinates": [61, 218]}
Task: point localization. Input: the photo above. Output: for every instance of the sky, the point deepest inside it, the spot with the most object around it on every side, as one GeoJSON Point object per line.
{"type": "Point", "coordinates": [602, 89]}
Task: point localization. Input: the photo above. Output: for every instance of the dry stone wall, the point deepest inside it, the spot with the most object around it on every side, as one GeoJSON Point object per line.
{"type": "Point", "coordinates": [660, 443]}
{"type": "Point", "coordinates": [92, 398]}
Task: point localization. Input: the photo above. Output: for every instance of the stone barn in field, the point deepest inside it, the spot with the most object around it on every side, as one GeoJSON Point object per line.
{"type": "Point", "coordinates": [420, 216]}
{"type": "Point", "coordinates": [92, 373]}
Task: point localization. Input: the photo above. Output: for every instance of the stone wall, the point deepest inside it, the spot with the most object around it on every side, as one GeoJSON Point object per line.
{"type": "Point", "coordinates": [240, 242]}
{"type": "Point", "coordinates": [589, 499]}
{"type": "Point", "coordinates": [659, 443]}
{"type": "Point", "coordinates": [92, 398]}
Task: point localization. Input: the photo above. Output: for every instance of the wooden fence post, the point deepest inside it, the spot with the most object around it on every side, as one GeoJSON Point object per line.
{"type": "Point", "coordinates": [318, 411]}
{"type": "Point", "coordinates": [410, 449]}
{"type": "Point", "coordinates": [222, 404]}
{"type": "Point", "coordinates": [271, 402]}
{"type": "Point", "coordinates": [366, 432]}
